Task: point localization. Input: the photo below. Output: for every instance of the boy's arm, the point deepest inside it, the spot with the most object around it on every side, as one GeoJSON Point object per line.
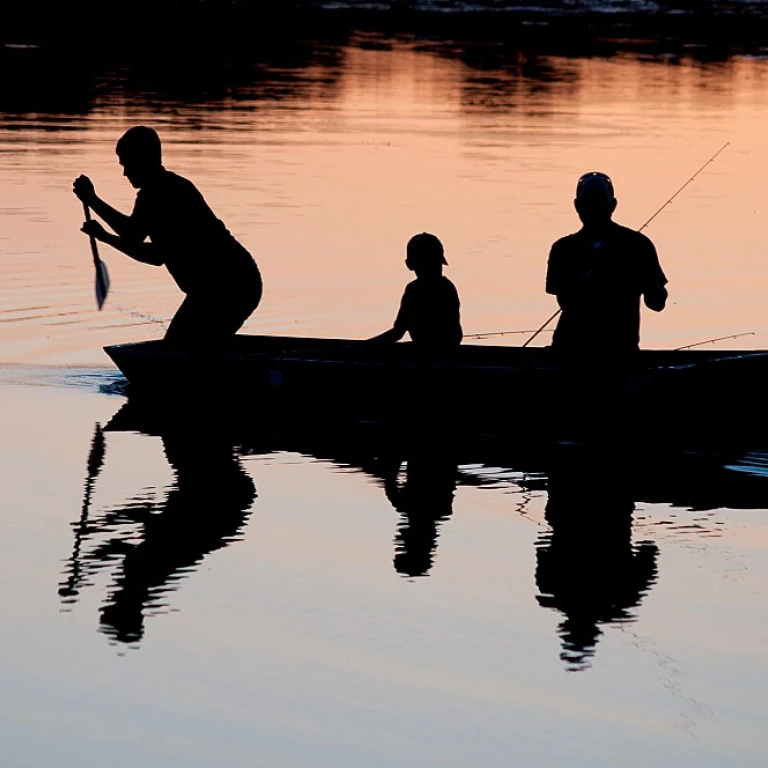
{"type": "Point", "coordinates": [400, 326]}
{"type": "Point", "coordinates": [388, 337]}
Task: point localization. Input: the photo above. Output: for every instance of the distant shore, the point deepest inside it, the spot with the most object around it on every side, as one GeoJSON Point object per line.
{"type": "Point", "coordinates": [83, 29]}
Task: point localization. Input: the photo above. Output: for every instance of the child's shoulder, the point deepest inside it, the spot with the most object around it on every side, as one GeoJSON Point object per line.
{"type": "Point", "coordinates": [447, 285]}
{"type": "Point", "coordinates": [430, 288]}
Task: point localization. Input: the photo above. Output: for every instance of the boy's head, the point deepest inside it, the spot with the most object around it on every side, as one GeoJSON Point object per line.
{"type": "Point", "coordinates": [424, 254]}
{"type": "Point", "coordinates": [140, 154]}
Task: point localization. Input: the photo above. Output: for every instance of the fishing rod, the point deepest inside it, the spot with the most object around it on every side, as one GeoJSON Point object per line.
{"type": "Point", "coordinates": [712, 341]}
{"type": "Point", "coordinates": [658, 211]}
{"type": "Point", "coordinates": [494, 333]}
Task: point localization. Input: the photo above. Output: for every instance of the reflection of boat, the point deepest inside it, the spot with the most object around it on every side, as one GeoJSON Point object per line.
{"type": "Point", "coordinates": [589, 567]}
{"type": "Point", "coordinates": [484, 383]}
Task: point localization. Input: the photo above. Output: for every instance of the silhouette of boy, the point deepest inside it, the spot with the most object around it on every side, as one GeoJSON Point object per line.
{"type": "Point", "coordinates": [219, 277]}
{"type": "Point", "coordinates": [429, 308]}
{"type": "Point", "coordinates": [599, 274]}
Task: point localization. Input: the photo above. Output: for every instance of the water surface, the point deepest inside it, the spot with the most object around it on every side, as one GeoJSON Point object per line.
{"type": "Point", "coordinates": [294, 598]}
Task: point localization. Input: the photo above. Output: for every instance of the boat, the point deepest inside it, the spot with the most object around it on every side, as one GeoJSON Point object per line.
{"type": "Point", "coordinates": [488, 385]}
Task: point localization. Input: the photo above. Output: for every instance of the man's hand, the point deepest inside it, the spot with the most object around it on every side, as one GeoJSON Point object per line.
{"type": "Point", "coordinates": [84, 189]}
{"type": "Point", "coordinates": [93, 228]}
{"type": "Point", "coordinates": [655, 297]}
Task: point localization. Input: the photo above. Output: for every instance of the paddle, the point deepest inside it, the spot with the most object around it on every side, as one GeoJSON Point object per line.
{"type": "Point", "coordinates": [102, 276]}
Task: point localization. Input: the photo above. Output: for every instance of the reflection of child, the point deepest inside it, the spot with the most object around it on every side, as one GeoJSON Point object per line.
{"type": "Point", "coordinates": [429, 309]}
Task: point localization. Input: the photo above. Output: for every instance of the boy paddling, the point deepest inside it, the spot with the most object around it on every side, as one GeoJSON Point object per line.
{"type": "Point", "coordinates": [172, 225]}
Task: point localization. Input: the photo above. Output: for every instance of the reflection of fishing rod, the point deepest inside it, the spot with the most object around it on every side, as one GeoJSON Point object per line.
{"type": "Point", "coordinates": [95, 462]}
{"type": "Point", "coordinates": [712, 341]}
{"type": "Point", "coordinates": [658, 211]}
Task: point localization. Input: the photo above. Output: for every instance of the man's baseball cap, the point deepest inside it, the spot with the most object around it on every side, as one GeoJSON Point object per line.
{"type": "Point", "coordinates": [592, 181]}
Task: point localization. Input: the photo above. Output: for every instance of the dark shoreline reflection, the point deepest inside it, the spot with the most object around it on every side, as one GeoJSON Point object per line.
{"type": "Point", "coordinates": [234, 24]}
{"type": "Point", "coordinates": [154, 544]}
{"type": "Point", "coordinates": [238, 58]}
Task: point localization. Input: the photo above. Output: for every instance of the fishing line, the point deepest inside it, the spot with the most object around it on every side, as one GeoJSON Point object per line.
{"type": "Point", "coordinates": [135, 313]}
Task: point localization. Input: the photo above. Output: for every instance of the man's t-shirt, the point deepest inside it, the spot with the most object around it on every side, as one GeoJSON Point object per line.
{"type": "Point", "coordinates": [599, 286]}
{"type": "Point", "coordinates": [195, 246]}
{"type": "Point", "coordinates": [429, 312]}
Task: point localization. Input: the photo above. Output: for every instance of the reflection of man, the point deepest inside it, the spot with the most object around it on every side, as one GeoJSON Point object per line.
{"type": "Point", "coordinates": [204, 511]}
{"type": "Point", "coordinates": [599, 274]}
{"type": "Point", "coordinates": [220, 279]}
{"type": "Point", "coordinates": [587, 568]}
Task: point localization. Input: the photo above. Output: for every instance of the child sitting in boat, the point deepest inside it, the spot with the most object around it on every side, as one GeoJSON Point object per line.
{"type": "Point", "coordinates": [429, 309]}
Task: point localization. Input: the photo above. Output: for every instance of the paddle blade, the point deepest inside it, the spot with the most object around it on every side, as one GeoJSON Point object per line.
{"type": "Point", "coordinates": [102, 283]}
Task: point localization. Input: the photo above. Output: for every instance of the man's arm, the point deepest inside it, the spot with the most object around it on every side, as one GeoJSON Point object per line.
{"type": "Point", "coordinates": [654, 292]}
{"type": "Point", "coordinates": [556, 284]}
{"type": "Point", "coordinates": [124, 226]}
{"type": "Point", "coordinates": [655, 296]}
{"type": "Point", "coordinates": [143, 252]}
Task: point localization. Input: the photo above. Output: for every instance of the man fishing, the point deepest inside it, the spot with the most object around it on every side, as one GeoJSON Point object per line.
{"type": "Point", "coordinates": [599, 274]}
{"type": "Point", "coordinates": [219, 277]}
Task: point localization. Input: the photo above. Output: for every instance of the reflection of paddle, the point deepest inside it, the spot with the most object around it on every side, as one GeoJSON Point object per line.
{"type": "Point", "coordinates": [95, 460]}
{"type": "Point", "coordinates": [102, 276]}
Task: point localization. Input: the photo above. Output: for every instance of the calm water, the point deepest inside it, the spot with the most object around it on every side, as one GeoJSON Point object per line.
{"type": "Point", "coordinates": [297, 599]}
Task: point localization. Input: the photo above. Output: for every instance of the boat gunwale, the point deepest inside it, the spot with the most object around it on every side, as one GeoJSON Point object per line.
{"type": "Point", "coordinates": [331, 357]}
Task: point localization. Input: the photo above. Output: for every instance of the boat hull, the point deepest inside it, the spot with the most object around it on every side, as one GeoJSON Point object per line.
{"type": "Point", "coordinates": [489, 386]}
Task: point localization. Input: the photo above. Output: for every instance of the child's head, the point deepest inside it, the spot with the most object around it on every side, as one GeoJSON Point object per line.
{"type": "Point", "coordinates": [424, 255]}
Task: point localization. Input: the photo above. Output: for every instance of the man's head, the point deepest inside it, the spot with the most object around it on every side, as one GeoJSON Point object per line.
{"type": "Point", "coordinates": [140, 154]}
{"type": "Point", "coordinates": [424, 254]}
{"type": "Point", "coordinates": [595, 202]}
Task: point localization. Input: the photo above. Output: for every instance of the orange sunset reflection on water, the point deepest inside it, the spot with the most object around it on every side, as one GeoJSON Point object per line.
{"type": "Point", "coordinates": [325, 170]}
{"type": "Point", "coordinates": [291, 593]}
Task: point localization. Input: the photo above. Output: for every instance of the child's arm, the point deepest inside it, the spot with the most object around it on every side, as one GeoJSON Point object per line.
{"type": "Point", "coordinates": [388, 337]}
{"type": "Point", "coordinates": [399, 327]}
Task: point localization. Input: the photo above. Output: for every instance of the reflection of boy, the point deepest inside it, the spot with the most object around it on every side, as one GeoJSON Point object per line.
{"type": "Point", "coordinates": [429, 309]}
{"type": "Point", "coordinates": [219, 277]}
